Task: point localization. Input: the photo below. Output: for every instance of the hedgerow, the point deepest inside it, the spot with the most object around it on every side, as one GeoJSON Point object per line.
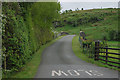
{"type": "Point", "coordinates": [26, 27]}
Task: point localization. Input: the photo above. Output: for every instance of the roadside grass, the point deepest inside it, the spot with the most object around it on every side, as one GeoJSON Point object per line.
{"type": "Point", "coordinates": [30, 69]}
{"type": "Point", "coordinates": [77, 49]}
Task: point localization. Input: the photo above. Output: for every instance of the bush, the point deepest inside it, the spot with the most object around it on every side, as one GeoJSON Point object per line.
{"type": "Point", "coordinates": [26, 26]}
{"type": "Point", "coordinates": [114, 35]}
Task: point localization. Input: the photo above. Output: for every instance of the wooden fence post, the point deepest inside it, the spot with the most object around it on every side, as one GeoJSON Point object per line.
{"type": "Point", "coordinates": [97, 44]}
{"type": "Point", "coordinates": [106, 55]}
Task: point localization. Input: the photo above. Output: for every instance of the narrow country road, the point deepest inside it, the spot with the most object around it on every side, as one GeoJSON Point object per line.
{"type": "Point", "coordinates": [59, 61]}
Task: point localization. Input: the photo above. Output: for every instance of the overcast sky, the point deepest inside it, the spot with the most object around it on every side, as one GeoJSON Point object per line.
{"type": "Point", "coordinates": [89, 0]}
{"type": "Point", "coordinates": [88, 4]}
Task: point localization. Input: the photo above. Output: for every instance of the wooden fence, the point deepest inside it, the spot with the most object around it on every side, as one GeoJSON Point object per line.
{"type": "Point", "coordinates": [106, 59]}
{"type": "Point", "coordinates": [96, 51]}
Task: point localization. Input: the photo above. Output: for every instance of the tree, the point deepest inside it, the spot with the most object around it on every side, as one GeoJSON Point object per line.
{"type": "Point", "coordinates": [77, 9]}
{"type": "Point", "coordinates": [82, 9]}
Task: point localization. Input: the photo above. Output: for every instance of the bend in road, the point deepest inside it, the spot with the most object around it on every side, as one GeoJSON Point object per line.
{"type": "Point", "coordinates": [59, 61]}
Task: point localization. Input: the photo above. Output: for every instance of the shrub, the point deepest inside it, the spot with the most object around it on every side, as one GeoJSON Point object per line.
{"type": "Point", "coordinates": [114, 35]}
{"type": "Point", "coordinates": [26, 27]}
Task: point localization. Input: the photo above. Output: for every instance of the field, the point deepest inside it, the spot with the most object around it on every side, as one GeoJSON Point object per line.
{"type": "Point", "coordinates": [97, 24]}
{"type": "Point", "coordinates": [78, 50]}
{"type": "Point", "coordinates": [111, 55]}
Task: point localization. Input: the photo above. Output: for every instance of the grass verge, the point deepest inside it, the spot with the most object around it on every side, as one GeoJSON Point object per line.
{"type": "Point", "coordinates": [79, 53]}
{"type": "Point", "coordinates": [30, 69]}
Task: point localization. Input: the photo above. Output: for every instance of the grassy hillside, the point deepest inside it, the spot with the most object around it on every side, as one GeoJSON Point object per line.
{"type": "Point", "coordinates": [96, 23]}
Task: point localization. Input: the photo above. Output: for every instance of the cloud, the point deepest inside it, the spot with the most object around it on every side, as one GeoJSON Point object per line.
{"type": "Point", "coordinates": [89, 0]}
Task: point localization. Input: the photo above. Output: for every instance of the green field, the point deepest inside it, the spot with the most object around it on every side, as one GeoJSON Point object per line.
{"type": "Point", "coordinates": [78, 50]}
{"type": "Point", "coordinates": [98, 24]}
{"type": "Point", "coordinates": [111, 55]}
{"type": "Point", "coordinates": [114, 44]}
{"type": "Point", "coordinates": [95, 23]}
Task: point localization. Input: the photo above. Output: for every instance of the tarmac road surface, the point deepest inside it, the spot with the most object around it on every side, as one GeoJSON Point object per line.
{"type": "Point", "coordinates": [59, 61]}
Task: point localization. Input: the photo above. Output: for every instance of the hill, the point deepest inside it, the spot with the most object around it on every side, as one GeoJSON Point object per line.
{"type": "Point", "coordinates": [96, 23]}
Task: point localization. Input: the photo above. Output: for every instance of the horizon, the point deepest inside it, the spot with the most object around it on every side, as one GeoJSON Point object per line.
{"type": "Point", "coordinates": [87, 5]}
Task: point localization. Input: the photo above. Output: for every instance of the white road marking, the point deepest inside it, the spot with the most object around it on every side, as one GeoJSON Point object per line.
{"type": "Point", "coordinates": [88, 73]}
{"type": "Point", "coordinates": [59, 73]}
{"type": "Point", "coordinates": [75, 73]}
{"type": "Point", "coordinates": [94, 72]}
{"type": "Point", "coordinates": [80, 70]}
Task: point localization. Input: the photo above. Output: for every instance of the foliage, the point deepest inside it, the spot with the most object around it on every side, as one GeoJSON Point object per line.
{"type": "Point", "coordinates": [26, 26]}
{"type": "Point", "coordinates": [88, 47]}
{"type": "Point", "coordinates": [30, 69]}
{"type": "Point", "coordinates": [114, 35]}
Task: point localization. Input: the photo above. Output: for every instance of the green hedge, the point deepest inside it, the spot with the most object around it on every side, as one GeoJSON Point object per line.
{"type": "Point", "coordinates": [26, 26]}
